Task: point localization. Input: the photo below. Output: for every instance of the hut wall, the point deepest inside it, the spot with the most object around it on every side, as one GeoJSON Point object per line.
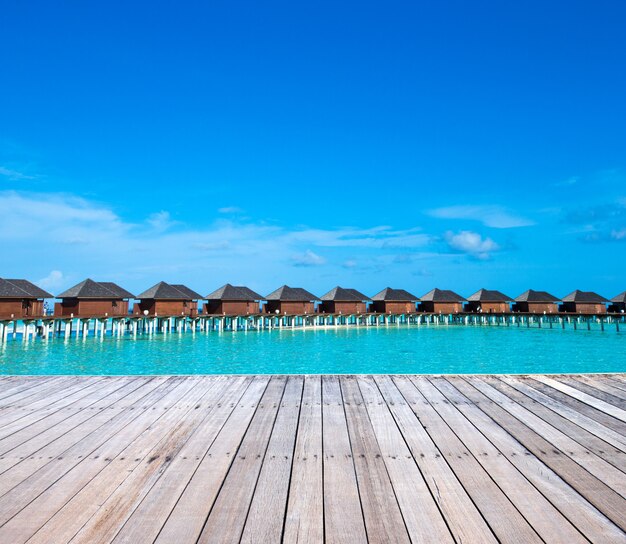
{"type": "Point", "coordinates": [339, 307]}
{"type": "Point", "coordinates": [289, 307]}
{"type": "Point", "coordinates": [488, 307]}
{"type": "Point", "coordinates": [90, 308]}
{"type": "Point", "coordinates": [231, 307]}
{"type": "Point", "coordinates": [21, 308]}
{"type": "Point", "coordinates": [167, 307]}
{"type": "Point", "coordinates": [441, 307]}
{"type": "Point", "coordinates": [583, 308]}
{"type": "Point", "coordinates": [536, 307]}
{"type": "Point", "coordinates": [393, 307]}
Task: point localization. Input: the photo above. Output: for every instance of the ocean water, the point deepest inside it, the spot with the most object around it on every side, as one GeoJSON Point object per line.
{"type": "Point", "coordinates": [393, 350]}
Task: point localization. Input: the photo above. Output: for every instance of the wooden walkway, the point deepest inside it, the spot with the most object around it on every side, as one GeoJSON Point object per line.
{"type": "Point", "coordinates": [264, 459]}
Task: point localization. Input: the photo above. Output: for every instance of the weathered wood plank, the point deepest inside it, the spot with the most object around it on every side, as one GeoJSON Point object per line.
{"type": "Point", "coordinates": [585, 438]}
{"type": "Point", "coordinates": [70, 503]}
{"type": "Point", "coordinates": [501, 514]}
{"type": "Point", "coordinates": [605, 407]}
{"type": "Point", "coordinates": [595, 389]}
{"type": "Point", "coordinates": [304, 522]}
{"type": "Point", "coordinates": [610, 475]}
{"type": "Point", "coordinates": [378, 459]}
{"type": "Point", "coordinates": [548, 521]}
{"type": "Point", "coordinates": [155, 449]}
{"type": "Point", "coordinates": [605, 499]}
{"type": "Point", "coordinates": [27, 441]}
{"type": "Point", "coordinates": [265, 519]}
{"type": "Point", "coordinates": [146, 521]}
{"type": "Point", "coordinates": [228, 515]}
{"type": "Point", "coordinates": [343, 516]}
{"type": "Point", "coordinates": [419, 508]}
{"type": "Point", "coordinates": [93, 447]}
{"type": "Point", "coordinates": [598, 415]}
{"type": "Point", "coordinates": [462, 517]}
{"type": "Point", "coordinates": [617, 440]}
{"type": "Point", "coordinates": [589, 521]}
{"type": "Point", "coordinates": [383, 519]}
{"type": "Point", "coordinates": [186, 521]}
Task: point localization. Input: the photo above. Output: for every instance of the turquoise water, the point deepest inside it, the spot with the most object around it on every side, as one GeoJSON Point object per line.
{"type": "Point", "coordinates": [419, 350]}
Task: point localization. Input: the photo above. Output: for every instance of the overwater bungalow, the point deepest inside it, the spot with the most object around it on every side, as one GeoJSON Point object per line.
{"type": "Point", "coordinates": [344, 301]}
{"type": "Point", "coordinates": [394, 301]}
{"type": "Point", "coordinates": [166, 300]}
{"type": "Point", "coordinates": [21, 299]}
{"type": "Point", "coordinates": [584, 302]}
{"type": "Point", "coordinates": [488, 301]}
{"type": "Point", "coordinates": [618, 303]}
{"type": "Point", "coordinates": [92, 298]}
{"type": "Point", "coordinates": [536, 302]}
{"type": "Point", "coordinates": [233, 300]}
{"type": "Point", "coordinates": [441, 301]}
{"type": "Point", "coordinates": [290, 300]}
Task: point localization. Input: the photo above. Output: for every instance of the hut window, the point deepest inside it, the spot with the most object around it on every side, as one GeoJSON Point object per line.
{"type": "Point", "coordinates": [184, 304]}
{"type": "Point", "coordinates": [115, 304]}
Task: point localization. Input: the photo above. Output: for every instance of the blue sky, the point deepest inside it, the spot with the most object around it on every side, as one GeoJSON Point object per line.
{"type": "Point", "coordinates": [450, 144]}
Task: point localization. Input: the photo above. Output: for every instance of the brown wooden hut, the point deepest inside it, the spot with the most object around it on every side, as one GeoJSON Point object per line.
{"type": "Point", "coordinates": [233, 300]}
{"type": "Point", "coordinates": [344, 301]}
{"type": "Point", "coordinates": [618, 303]}
{"type": "Point", "coordinates": [166, 300]}
{"type": "Point", "coordinates": [536, 302]}
{"type": "Point", "coordinates": [93, 299]}
{"type": "Point", "coordinates": [488, 301]}
{"type": "Point", "coordinates": [394, 301]}
{"type": "Point", "coordinates": [584, 302]}
{"type": "Point", "coordinates": [290, 300]}
{"type": "Point", "coordinates": [441, 301]}
{"type": "Point", "coordinates": [21, 299]}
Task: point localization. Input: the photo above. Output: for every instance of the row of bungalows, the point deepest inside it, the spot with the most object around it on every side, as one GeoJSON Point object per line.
{"type": "Point", "coordinates": [21, 299]}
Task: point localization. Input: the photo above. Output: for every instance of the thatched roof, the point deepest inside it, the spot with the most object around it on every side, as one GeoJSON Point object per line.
{"type": "Point", "coordinates": [95, 289]}
{"type": "Point", "coordinates": [10, 288]}
{"type": "Point", "coordinates": [395, 295]}
{"type": "Point", "coordinates": [536, 296]}
{"type": "Point", "coordinates": [232, 292]}
{"type": "Point", "coordinates": [340, 294]}
{"type": "Point", "coordinates": [441, 295]}
{"type": "Point", "coordinates": [619, 298]}
{"type": "Point", "coordinates": [291, 294]}
{"type": "Point", "coordinates": [486, 295]}
{"type": "Point", "coordinates": [585, 297]}
{"type": "Point", "coordinates": [165, 291]}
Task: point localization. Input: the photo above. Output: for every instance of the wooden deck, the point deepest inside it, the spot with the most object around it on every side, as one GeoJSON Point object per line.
{"type": "Point", "coordinates": [262, 459]}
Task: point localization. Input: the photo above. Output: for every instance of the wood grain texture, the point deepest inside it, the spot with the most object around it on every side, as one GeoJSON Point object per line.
{"type": "Point", "coordinates": [311, 459]}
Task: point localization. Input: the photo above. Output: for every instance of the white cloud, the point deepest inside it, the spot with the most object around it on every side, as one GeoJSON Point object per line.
{"type": "Point", "coordinates": [52, 281]}
{"type": "Point", "coordinates": [230, 210]}
{"type": "Point", "coordinates": [489, 215]}
{"type": "Point", "coordinates": [212, 246]}
{"type": "Point", "coordinates": [471, 243]}
{"type": "Point", "coordinates": [14, 175]}
{"type": "Point", "coordinates": [618, 234]}
{"type": "Point", "coordinates": [381, 237]}
{"type": "Point", "coordinates": [85, 238]}
{"type": "Point", "coordinates": [160, 221]}
{"type": "Point", "coordinates": [308, 258]}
